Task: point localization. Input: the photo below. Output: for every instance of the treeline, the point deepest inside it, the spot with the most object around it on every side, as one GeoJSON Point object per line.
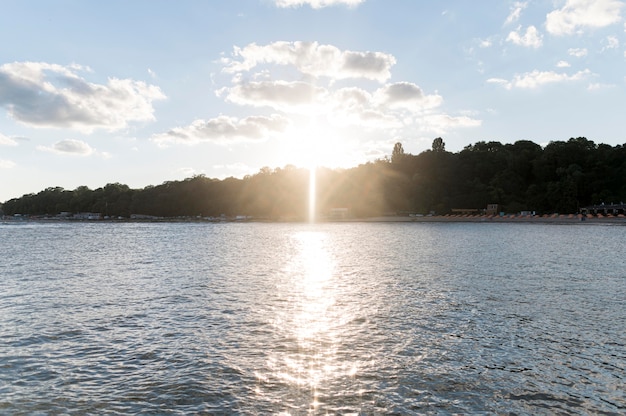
{"type": "Point", "coordinates": [523, 176]}
{"type": "Point", "coordinates": [561, 177]}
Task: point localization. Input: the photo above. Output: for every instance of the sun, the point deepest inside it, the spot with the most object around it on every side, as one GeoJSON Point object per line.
{"type": "Point", "coordinates": [312, 144]}
{"type": "Point", "coordinates": [316, 143]}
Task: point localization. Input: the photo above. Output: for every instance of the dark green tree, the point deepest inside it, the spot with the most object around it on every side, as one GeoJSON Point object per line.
{"type": "Point", "coordinates": [438, 145]}
{"type": "Point", "coordinates": [397, 155]}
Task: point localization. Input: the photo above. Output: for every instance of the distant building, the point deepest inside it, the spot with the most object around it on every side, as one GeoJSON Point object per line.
{"type": "Point", "coordinates": [492, 209]}
{"type": "Point", "coordinates": [605, 209]}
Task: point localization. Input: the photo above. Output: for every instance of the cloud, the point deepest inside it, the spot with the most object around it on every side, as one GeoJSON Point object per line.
{"type": "Point", "coordinates": [611, 43]}
{"type": "Point", "coordinates": [389, 106]}
{"type": "Point", "coordinates": [396, 105]}
{"type": "Point", "coordinates": [6, 164]}
{"type": "Point", "coordinates": [69, 147]}
{"type": "Point", "coordinates": [598, 86]}
{"type": "Point", "coordinates": [317, 4]}
{"type": "Point", "coordinates": [313, 59]}
{"type": "Point", "coordinates": [224, 129]}
{"type": "Point", "coordinates": [41, 95]}
{"type": "Point", "coordinates": [563, 64]}
{"type": "Point", "coordinates": [535, 79]}
{"type": "Point", "coordinates": [499, 81]}
{"type": "Point", "coordinates": [532, 38]}
{"type": "Point", "coordinates": [351, 106]}
{"type": "Point", "coordinates": [312, 94]}
{"type": "Point", "coordinates": [408, 96]}
{"type": "Point", "coordinates": [577, 52]}
{"type": "Point", "coordinates": [354, 107]}
{"type": "Point", "coordinates": [7, 141]}
{"type": "Point", "coordinates": [304, 98]}
{"type": "Point", "coordinates": [516, 11]}
{"type": "Point", "coordinates": [289, 97]}
{"type": "Point", "coordinates": [577, 15]}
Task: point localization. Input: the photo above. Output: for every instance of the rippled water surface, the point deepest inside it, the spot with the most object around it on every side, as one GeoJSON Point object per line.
{"type": "Point", "coordinates": [312, 319]}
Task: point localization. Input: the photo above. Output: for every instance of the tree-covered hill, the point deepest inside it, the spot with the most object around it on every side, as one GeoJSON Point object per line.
{"type": "Point", "coordinates": [560, 177]}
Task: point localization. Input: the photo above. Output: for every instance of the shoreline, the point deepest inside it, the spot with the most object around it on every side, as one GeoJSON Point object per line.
{"type": "Point", "coordinates": [545, 219]}
{"type": "Point", "coordinates": [552, 219]}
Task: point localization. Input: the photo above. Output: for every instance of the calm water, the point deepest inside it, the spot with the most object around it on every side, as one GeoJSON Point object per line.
{"type": "Point", "coordinates": [312, 319]}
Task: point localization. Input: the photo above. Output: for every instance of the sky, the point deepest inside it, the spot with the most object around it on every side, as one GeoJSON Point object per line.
{"type": "Point", "coordinates": [147, 91]}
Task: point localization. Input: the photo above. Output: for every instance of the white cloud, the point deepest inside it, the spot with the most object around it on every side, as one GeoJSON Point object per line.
{"type": "Point", "coordinates": [353, 98]}
{"type": "Point", "coordinates": [7, 141]}
{"type": "Point", "coordinates": [289, 97]}
{"type": "Point", "coordinates": [499, 81]}
{"type": "Point", "coordinates": [485, 43]}
{"type": "Point", "coordinates": [397, 105]}
{"type": "Point", "coordinates": [356, 107]}
{"type": "Point", "coordinates": [317, 4]}
{"type": "Point", "coordinates": [563, 64]}
{"type": "Point", "coordinates": [577, 52]}
{"type": "Point", "coordinates": [535, 79]}
{"type": "Point", "coordinates": [391, 106]}
{"type": "Point", "coordinates": [611, 43]}
{"type": "Point", "coordinates": [577, 15]}
{"type": "Point", "coordinates": [516, 11]}
{"type": "Point", "coordinates": [39, 94]}
{"type": "Point", "coordinates": [304, 98]}
{"type": "Point", "coordinates": [532, 38]}
{"type": "Point", "coordinates": [598, 86]}
{"type": "Point", "coordinates": [313, 59]}
{"type": "Point", "coordinates": [69, 147]}
{"type": "Point", "coordinates": [224, 129]}
{"type": "Point", "coordinates": [408, 96]}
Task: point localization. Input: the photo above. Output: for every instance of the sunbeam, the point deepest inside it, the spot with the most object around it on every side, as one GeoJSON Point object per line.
{"type": "Point", "coordinates": [312, 192]}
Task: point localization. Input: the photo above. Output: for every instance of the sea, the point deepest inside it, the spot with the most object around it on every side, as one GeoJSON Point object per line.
{"type": "Point", "coordinates": [354, 318]}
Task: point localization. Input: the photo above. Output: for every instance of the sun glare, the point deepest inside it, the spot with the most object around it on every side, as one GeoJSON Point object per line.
{"type": "Point", "coordinates": [312, 144]}
{"type": "Point", "coordinates": [312, 193]}
{"type": "Point", "coordinates": [316, 143]}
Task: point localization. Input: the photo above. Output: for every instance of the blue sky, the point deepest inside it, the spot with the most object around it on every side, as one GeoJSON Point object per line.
{"type": "Point", "coordinates": [145, 91]}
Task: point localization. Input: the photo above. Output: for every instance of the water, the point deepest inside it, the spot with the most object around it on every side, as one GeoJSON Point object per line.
{"type": "Point", "coordinates": [312, 319]}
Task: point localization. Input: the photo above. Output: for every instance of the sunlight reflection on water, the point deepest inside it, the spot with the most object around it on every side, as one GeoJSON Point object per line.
{"type": "Point", "coordinates": [312, 319]}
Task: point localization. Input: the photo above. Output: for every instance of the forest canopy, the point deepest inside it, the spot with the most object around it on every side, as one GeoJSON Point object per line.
{"type": "Point", "coordinates": [562, 177]}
